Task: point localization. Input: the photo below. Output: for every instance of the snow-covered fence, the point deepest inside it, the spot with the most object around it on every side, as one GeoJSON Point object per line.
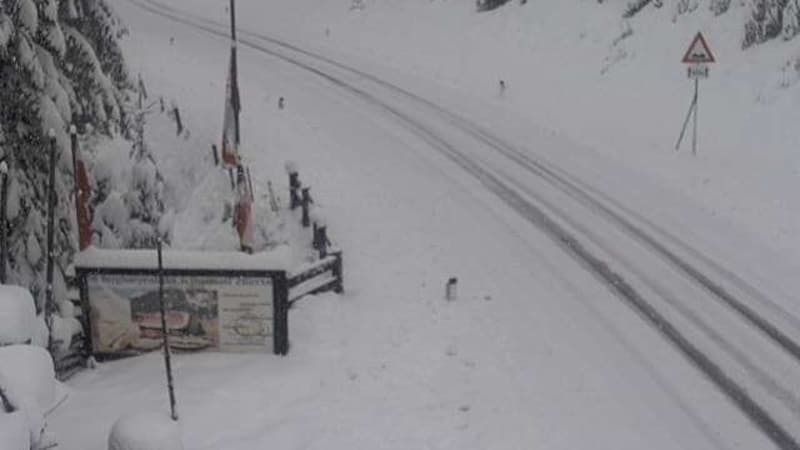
{"type": "Point", "coordinates": [320, 276]}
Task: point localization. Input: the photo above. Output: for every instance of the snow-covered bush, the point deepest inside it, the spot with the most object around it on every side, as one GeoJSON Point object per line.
{"type": "Point", "coordinates": [28, 385]}
{"type": "Point", "coordinates": [145, 431]}
{"type": "Point", "coordinates": [17, 315]}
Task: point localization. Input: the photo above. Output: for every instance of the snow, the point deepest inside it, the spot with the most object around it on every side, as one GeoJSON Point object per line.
{"type": "Point", "coordinates": [535, 353]}
{"type": "Point", "coordinates": [28, 380]}
{"type": "Point", "coordinates": [34, 251]}
{"type": "Point", "coordinates": [27, 15]}
{"type": "Point", "coordinates": [17, 315]}
{"type": "Point", "coordinates": [64, 330]}
{"type": "Point", "coordinates": [14, 432]}
{"type": "Point", "coordinates": [276, 259]}
{"type": "Point", "coordinates": [27, 372]}
{"type": "Point", "coordinates": [145, 431]}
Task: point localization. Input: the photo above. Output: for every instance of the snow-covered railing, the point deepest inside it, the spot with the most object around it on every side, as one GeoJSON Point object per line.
{"type": "Point", "coordinates": [321, 276]}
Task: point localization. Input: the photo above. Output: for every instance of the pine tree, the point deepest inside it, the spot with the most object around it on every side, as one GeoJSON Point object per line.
{"type": "Point", "coordinates": [59, 63]}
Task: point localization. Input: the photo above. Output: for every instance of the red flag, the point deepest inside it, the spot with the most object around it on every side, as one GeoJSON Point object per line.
{"type": "Point", "coordinates": [84, 194]}
{"type": "Point", "coordinates": [243, 212]}
{"type": "Point", "coordinates": [230, 125]}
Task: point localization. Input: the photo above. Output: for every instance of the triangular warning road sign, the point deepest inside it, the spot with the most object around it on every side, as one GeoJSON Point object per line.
{"type": "Point", "coordinates": [698, 52]}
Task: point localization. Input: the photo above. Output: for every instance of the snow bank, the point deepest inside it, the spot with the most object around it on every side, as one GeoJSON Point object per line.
{"type": "Point", "coordinates": [17, 315]}
{"type": "Point", "coordinates": [28, 379]}
{"type": "Point", "coordinates": [14, 433]}
{"type": "Point", "coordinates": [27, 371]}
{"type": "Point", "coordinates": [145, 431]}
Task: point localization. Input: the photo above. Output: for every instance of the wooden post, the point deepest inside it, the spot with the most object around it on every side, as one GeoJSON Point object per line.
{"type": "Point", "coordinates": [49, 305]}
{"type": "Point", "coordinates": [280, 333]}
{"type": "Point", "coordinates": [294, 186]}
{"type": "Point", "coordinates": [178, 121]}
{"type": "Point", "coordinates": [165, 333]}
{"type": "Point", "coordinates": [323, 242]}
{"type": "Point", "coordinates": [306, 202]}
{"type": "Point", "coordinates": [215, 154]}
{"type": "Point", "coordinates": [338, 272]}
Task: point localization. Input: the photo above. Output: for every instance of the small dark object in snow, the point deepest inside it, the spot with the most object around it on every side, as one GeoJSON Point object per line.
{"type": "Point", "coordinates": [464, 408]}
{"type": "Point", "coordinates": [502, 86]}
{"type": "Point", "coordinates": [171, 40]}
{"type": "Point", "coordinates": [450, 293]}
{"type": "Point", "coordinates": [281, 103]}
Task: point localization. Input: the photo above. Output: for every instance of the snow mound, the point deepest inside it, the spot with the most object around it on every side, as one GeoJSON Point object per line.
{"type": "Point", "coordinates": [14, 433]}
{"type": "Point", "coordinates": [17, 315]}
{"type": "Point", "coordinates": [27, 372]}
{"type": "Point", "coordinates": [145, 431]}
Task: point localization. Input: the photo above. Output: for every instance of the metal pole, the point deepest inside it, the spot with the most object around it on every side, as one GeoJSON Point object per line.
{"type": "Point", "coordinates": [696, 98]}
{"type": "Point", "coordinates": [686, 121]}
{"type": "Point", "coordinates": [73, 136]}
{"type": "Point", "coordinates": [235, 80]}
{"type": "Point", "coordinates": [3, 221]}
{"type": "Point", "coordinates": [164, 334]}
{"type": "Point", "coordinates": [49, 305]}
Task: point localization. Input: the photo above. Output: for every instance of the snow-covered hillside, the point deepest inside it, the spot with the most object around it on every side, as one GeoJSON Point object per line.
{"type": "Point", "coordinates": [578, 69]}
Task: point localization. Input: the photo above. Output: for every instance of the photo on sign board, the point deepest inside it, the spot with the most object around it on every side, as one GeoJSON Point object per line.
{"type": "Point", "coordinates": [202, 313]}
{"type": "Point", "coordinates": [127, 317]}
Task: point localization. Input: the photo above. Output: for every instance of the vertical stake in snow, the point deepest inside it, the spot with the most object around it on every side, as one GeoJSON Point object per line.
{"type": "Point", "coordinates": [698, 56]}
{"type": "Point", "coordinates": [49, 304]}
{"type": "Point", "coordinates": [3, 220]}
{"type": "Point", "coordinates": [164, 334]}
{"type": "Point", "coordinates": [306, 203]}
{"type": "Point", "coordinates": [450, 290]}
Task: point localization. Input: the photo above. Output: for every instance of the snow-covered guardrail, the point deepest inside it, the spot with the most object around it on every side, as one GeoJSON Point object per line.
{"type": "Point", "coordinates": [321, 276]}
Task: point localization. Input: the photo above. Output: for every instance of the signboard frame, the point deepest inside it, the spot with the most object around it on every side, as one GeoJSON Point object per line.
{"type": "Point", "coordinates": [280, 301]}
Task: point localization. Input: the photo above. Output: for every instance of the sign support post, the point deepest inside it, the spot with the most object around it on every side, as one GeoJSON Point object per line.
{"type": "Point", "coordinates": [696, 103]}
{"type": "Point", "coordinates": [698, 56]}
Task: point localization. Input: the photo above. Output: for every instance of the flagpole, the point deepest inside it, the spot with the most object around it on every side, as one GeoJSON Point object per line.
{"type": "Point", "coordinates": [235, 70]}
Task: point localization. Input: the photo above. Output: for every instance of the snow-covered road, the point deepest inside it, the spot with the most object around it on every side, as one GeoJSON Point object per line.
{"type": "Point", "coordinates": [580, 322]}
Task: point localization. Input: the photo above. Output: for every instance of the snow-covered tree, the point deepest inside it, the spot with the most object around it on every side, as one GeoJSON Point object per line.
{"type": "Point", "coordinates": [60, 63]}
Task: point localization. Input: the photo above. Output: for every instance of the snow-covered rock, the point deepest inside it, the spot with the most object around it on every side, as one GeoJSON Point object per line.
{"type": "Point", "coordinates": [17, 315]}
{"type": "Point", "coordinates": [145, 431]}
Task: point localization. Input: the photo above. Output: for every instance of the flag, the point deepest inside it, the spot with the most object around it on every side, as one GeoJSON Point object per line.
{"type": "Point", "coordinates": [243, 212]}
{"type": "Point", "coordinates": [230, 126]}
{"type": "Point", "coordinates": [84, 195]}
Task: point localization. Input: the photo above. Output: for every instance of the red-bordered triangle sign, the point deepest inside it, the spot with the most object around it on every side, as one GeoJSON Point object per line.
{"type": "Point", "coordinates": [698, 52]}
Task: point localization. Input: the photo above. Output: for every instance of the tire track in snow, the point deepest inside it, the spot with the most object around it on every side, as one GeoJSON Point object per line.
{"type": "Point", "coordinates": [576, 189]}
{"type": "Point", "coordinates": [536, 216]}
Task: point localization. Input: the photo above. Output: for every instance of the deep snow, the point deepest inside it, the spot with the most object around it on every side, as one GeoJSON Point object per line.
{"type": "Point", "coordinates": [535, 353]}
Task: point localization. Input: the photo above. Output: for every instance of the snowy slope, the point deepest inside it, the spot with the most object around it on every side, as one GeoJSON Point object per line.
{"type": "Point", "coordinates": [535, 353]}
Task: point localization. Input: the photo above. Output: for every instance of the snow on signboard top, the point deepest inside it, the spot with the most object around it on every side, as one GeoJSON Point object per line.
{"type": "Point", "coordinates": [17, 315]}
{"type": "Point", "coordinates": [278, 258]}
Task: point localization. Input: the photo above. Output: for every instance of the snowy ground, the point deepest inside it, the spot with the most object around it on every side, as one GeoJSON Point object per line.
{"type": "Point", "coordinates": [536, 353]}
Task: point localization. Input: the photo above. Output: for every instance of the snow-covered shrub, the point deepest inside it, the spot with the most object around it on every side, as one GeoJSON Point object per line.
{"type": "Point", "coordinates": [145, 431]}
{"type": "Point", "coordinates": [17, 315]}
{"type": "Point", "coordinates": [28, 385]}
